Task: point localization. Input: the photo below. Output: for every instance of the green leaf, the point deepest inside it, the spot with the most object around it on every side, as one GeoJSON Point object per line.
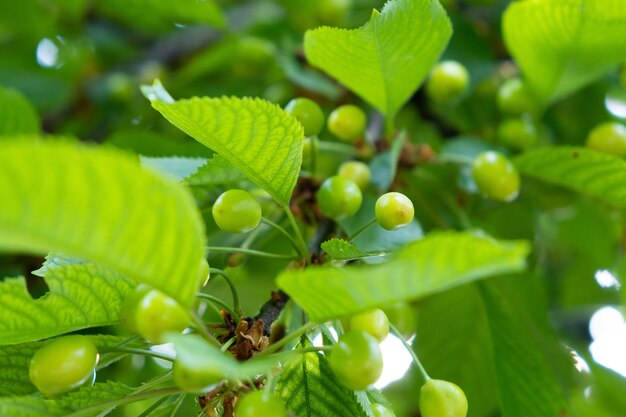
{"type": "Point", "coordinates": [310, 388]}
{"type": "Point", "coordinates": [563, 45]}
{"type": "Point", "coordinates": [56, 260]}
{"type": "Point", "coordinates": [342, 250]}
{"type": "Point", "coordinates": [156, 14]}
{"type": "Point", "coordinates": [98, 204]}
{"type": "Point", "coordinates": [80, 296]}
{"type": "Point", "coordinates": [433, 264]}
{"type": "Point", "coordinates": [493, 340]}
{"type": "Point", "coordinates": [73, 404]}
{"type": "Point", "coordinates": [217, 171]}
{"type": "Point", "coordinates": [176, 167]}
{"type": "Point", "coordinates": [526, 380]}
{"type": "Point", "coordinates": [17, 115]}
{"type": "Point", "coordinates": [589, 172]}
{"type": "Point", "coordinates": [257, 137]}
{"type": "Point", "coordinates": [385, 60]}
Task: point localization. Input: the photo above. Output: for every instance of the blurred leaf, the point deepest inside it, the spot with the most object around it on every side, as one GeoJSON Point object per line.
{"type": "Point", "coordinates": [162, 14]}
{"type": "Point", "coordinates": [589, 172]}
{"type": "Point", "coordinates": [17, 115]}
{"type": "Point", "coordinates": [309, 388]}
{"type": "Point", "coordinates": [99, 205]}
{"type": "Point", "coordinates": [436, 263]}
{"type": "Point", "coordinates": [149, 143]}
{"type": "Point", "coordinates": [257, 137]}
{"type": "Point", "coordinates": [342, 250]}
{"type": "Point", "coordinates": [563, 45]}
{"type": "Point", "coordinates": [385, 60]}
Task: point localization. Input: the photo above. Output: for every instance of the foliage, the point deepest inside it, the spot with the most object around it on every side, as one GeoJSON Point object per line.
{"type": "Point", "coordinates": [109, 188]}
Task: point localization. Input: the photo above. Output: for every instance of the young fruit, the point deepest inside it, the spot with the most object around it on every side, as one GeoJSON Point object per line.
{"type": "Point", "coordinates": [339, 197]}
{"type": "Point", "coordinates": [63, 365]}
{"type": "Point", "coordinates": [447, 83]}
{"type": "Point", "coordinates": [403, 316]}
{"type": "Point", "coordinates": [356, 360]}
{"type": "Point", "coordinates": [155, 314]}
{"type": "Point", "coordinates": [380, 410]}
{"type": "Point", "coordinates": [260, 403]}
{"type": "Point", "coordinates": [519, 133]}
{"type": "Point", "coordinates": [356, 171]}
{"type": "Point", "coordinates": [609, 138]}
{"type": "Point", "coordinates": [442, 399]}
{"type": "Point", "coordinates": [514, 98]}
{"type": "Point", "coordinates": [394, 210]}
{"type": "Point", "coordinates": [347, 122]}
{"type": "Point", "coordinates": [236, 211]}
{"type": "Point", "coordinates": [308, 114]}
{"type": "Point", "coordinates": [374, 322]}
{"type": "Point", "coordinates": [495, 176]}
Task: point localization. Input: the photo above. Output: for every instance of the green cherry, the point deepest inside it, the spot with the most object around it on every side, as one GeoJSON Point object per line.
{"type": "Point", "coordinates": [237, 211]}
{"type": "Point", "coordinates": [308, 114]}
{"type": "Point", "coordinates": [374, 322]}
{"type": "Point", "coordinates": [193, 373]}
{"type": "Point", "coordinates": [347, 122]}
{"type": "Point", "coordinates": [356, 360]}
{"type": "Point", "coordinates": [63, 365]}
{"type": "Point", "coordinates": [380, 410]}
{"type": "Point", "coordinates": [519, 133]}
{"type": "Point", "coordinates": [495, 176]}
{"type": "Point", "coordinates": [394, 210]}
{"type": "Point", "coordinates": [514, 98]}
{"type": "Point", "coordinates": [156, 314]}
{"type": "Point", "coordinates": [448, 82]}
{"type": "Point", "coordinates": [339, 197]}
{"type": "Point", "coordinates": [609, 138]}
{"type": "Point", "coordinates": [440, 398]}
{"type": "Point", "coordinates": [356, 171]}
{"type": "Point", "coordinates": [260, 404]}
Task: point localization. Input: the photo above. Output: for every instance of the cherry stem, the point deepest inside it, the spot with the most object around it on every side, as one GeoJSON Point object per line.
{"type": "Point", "coordinates": [197, 320]}
{"type": "Point", "coordinates": [409, 348]}
{"type": "Point", "coordinates": [215, 300]}
{"type": "Point", "coordinates": [233, 290]}
{"type": "Point", "coordinates": [304, 251]}
{"type": "Point", "coordinates": [280, 229]}
{"type": "Point", "coordinates": [362, 229]}
{"type": "Point", "coordinates": [135, 351]}
{"type": "Point", "coordinates": [252, 252]}
{"type": "Point", "coordinates": [313, 349]}
{"type": "Point", "coordinates": [145, 395]}
{"type": "Point", "coordinates": [335, 147]}
{"type": "Point", "coordinates": [288, 338]}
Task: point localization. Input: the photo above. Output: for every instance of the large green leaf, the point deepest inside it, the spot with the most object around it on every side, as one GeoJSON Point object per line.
{"type": "Point", "coordinates": [310, 388]}
{"type": "Point", "coordinates": [86, 402]}
{"type": "Point", "coordinates": [589, 172]}
{"type": "Point", "coordinates": [257, 137]}
{"type": "Point", "coordinates": [100, 205]}
{"type": "Point", "coordinates": [80, 296]}
{"type": "Point", "coordinates": [562, 45]}
{"type": "Point", "coordinates": [436, 263]}
{"type": "Point", "coordinates": [17, 115]}
{"type": "Point", "coordinates": [495, 342]}
{"type": "Point", "coordinates": [385, 60]}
